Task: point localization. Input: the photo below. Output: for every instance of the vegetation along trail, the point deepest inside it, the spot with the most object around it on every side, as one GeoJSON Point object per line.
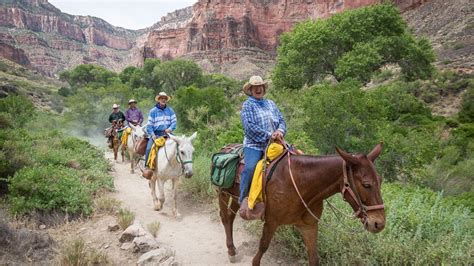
{"type": "Point", "coordinates": [197, 236]}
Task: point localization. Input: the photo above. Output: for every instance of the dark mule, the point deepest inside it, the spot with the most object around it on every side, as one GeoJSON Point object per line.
{"type": "Point", "coordinates": [115, 140]}
{"type": "Point", "coordinates": [316, 178]}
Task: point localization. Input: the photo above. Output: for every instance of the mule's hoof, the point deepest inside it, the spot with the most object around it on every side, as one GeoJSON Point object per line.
{"type": "Point", "coordinates": [232, 259]}
{"type": "Point", "coordinates": [177, 215]}
{"type": "Point", "coordinates": [157, 208]}
{"type": "Point", "coordinates": [132, 172]}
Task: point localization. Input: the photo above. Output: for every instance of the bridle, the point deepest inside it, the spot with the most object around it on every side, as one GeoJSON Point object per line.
{"type": "Point", "coordinates": [352, 195]}
{"type": "Point", "coordinates": [178, 157]}
{"type": "Point", "coordinates": [356, 203]}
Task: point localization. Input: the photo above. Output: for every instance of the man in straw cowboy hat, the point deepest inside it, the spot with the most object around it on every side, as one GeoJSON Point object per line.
{"type": "Point", "coordinates": [262, 121]}
{"type": "Point", "coordinates": [133, 115]}
{"type": "Point", "coordinates": [161, 121]}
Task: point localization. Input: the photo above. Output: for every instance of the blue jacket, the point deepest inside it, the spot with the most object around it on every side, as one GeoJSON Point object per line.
{"type": "Point", "coordinates": [160, 119]}
{"type": "Point", "coordinates": [260, 118]}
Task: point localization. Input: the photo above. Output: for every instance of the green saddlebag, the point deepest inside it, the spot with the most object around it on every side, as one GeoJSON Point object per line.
{"type": "Point", "coordinates": [224, 168]}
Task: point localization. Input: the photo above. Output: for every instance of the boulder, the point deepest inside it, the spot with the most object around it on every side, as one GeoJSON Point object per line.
{"type": "Point", "coordinates": [134, 230]}
{"type": "Point", "coordinates": [144, 243]}
{"type": "Point", "coordinates": [160, 256]}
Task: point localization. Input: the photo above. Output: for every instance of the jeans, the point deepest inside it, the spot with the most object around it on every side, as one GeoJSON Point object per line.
{"type": "Point", "coordinates": [251, 158]}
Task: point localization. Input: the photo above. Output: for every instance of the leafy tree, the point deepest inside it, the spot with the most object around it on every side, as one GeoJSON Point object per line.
{"type": "Point", "coordinates": [198, 108]}
{"type": "Point", "coordinates": [466, 114]}
{"type": "Point", "coordinates": [177, 73]}
{"type": "Point", "coordinates": [90, 75]}
{"type": "Point", "coordinates": [352, 44]}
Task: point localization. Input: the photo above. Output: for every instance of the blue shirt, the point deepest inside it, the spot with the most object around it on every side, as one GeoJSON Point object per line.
{"type": "Point", "coordinates": [260, 118]}
{"type": "Point", "coordinates": [160, 119]}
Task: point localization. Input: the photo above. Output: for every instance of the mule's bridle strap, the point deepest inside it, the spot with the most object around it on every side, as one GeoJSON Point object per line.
{"type": "Point", "coordinates": [360, 210]}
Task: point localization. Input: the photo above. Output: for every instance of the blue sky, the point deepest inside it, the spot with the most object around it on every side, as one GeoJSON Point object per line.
{"type": "Point", "coordinates": [128, 14]}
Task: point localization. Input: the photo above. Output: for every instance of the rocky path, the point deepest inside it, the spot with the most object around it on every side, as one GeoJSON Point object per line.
{"type": "Point", "coordinates": [197, 237]}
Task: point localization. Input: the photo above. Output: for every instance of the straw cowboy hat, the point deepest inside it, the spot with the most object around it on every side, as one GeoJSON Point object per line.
{"type": "Point", "coordinates": [132, 101]}
{"type": "Point", "coordinates": [115, 106]}
{"type": "Point", "coordinates": [162, 94]}
{"type": "Point", "coordinates": [255, 81]}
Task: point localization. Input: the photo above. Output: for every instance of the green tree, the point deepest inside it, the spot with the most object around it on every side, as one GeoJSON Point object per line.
{"type": "Point", "coordinates": [198, 108]}
{"type": "Point", "coordinates": [90, 75]}
{"type": "Point", "coordinates": [177, 73]}
{"type": "Point", "coordinates": [352, 44]}
{"type": "Point", "coordinates": [466, 114]}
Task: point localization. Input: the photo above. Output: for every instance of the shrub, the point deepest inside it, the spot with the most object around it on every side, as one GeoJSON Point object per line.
{"type": "Point", "coordinates": [48, 188]}
{"type": "Point", "coordinates": [153, 228]}
{"type": "Point", "coordinates": [125, 218]}
{"type": "Point", "coordinates": [19, 107]}
{"type": "Point", "coordinates": [76, 253]}
{"type": "Point", "coordinates": [466, 114]}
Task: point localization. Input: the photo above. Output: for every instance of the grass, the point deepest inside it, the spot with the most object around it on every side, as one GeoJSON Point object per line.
{"type": "Point", "coordinates": [125, 218]}
{"type": "Point", "coordinates": [199, 184]}
{"type": "Point", "coordinates": [153, 228]}
{"type": "Point", "coordinates": [76, 253]}
{"type": "Point", "coordinates": [107, 205]}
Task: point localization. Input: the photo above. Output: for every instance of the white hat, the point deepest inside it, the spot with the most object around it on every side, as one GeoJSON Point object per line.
{"type": "Point", "coordinates": [162, 94]}
{"type": "Point", "coordinates": [255, 81]}
{"type": "Point", "coordinates": [115, 106]}
{"type": "Point", "coordinates": [132, 101]}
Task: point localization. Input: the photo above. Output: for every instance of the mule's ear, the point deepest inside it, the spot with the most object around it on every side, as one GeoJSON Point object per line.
{"type": "Point", "coordinates": [346, 156]}
{"type": "Point", "coordinates": [193, 136]}
{"type": "Point", "coordinates": [174, 138]}
{"type": "Point", "coordinates": [144, 127]}
{"type": "Point", "coordinates": [375, 152]}
{"type": "Point", "coordinates": [132, 126]}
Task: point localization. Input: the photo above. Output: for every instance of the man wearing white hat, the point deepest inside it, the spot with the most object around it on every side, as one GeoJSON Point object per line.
{"type": "Point", "coordinates": [133, 115]}
{"type": "Point", "coordinates": [161, 120]}
{"type": "Point", "coordinates": [116, 114]}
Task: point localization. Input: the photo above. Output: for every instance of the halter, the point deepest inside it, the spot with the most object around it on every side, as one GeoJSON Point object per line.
{"type": "Point", "coordinates": [178, 157]}
{"type": "Point", "coordinates": [355, 202]}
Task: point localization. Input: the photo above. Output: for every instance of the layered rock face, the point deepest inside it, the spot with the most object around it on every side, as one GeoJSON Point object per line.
{"type": "Point", "coordinates": [223, 32]}
{"type": "Point", "coordinates": [54, 41]}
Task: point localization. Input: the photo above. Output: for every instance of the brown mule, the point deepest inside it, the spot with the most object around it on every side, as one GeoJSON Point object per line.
{"type": "Point", "coordinates": [296, 191]}
{"type": "Point", "coordinates": [115, 140]}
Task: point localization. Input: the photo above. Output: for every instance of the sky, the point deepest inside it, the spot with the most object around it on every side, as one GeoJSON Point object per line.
{"type": "Point", "coordinates": [128, 14]}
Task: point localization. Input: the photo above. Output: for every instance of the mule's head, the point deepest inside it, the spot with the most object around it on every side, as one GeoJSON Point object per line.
{"type": "Point", "coordinates": [138, 131]}
{"type": "Point", "coordinates": [185, 152]}
{"type": "Point", "coordinates": [366, 184]}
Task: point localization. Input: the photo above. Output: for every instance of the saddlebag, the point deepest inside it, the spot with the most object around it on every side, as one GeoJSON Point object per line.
{"type": "Point", "coordinates": [224, 167]}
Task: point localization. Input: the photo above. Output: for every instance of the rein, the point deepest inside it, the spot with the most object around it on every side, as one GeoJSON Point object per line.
{"type": "Point", "coordinates": [348, 180]}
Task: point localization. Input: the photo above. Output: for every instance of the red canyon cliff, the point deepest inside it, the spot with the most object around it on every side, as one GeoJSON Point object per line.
{"type": "Point", "coordinates": [237, 37]}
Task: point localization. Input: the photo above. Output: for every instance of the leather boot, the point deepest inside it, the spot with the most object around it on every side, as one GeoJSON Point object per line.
{"type": "Point", "coordinates": [147, 173]}
{"type": "Point", "coordinates": [251, 214]}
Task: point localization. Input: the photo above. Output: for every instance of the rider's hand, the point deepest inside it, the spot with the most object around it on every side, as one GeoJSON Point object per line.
{"type": "Point", "coordinates": [167, 131]}
{"type": "Point", "coordinates": [277, 134]}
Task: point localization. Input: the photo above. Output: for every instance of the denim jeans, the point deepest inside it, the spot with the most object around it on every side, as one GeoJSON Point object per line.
{"type": "Point", "coordinates": [251, 158]}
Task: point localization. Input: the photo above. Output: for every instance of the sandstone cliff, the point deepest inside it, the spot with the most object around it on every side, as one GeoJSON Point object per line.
{"type": "Point", "coordinates": [54, 41]}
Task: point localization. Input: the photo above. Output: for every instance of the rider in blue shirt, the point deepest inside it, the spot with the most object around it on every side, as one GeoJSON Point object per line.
{"type": "Point", "coordinates": [161, 121]}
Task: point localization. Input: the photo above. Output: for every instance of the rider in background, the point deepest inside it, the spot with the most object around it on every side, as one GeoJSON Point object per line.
{"type": "Point", "coordinates": [133, 115]}
{"type": "Point", "coordinates": [261, 120]}
{"type": "Point", "coordinates": [116, 114]}
{"type": "Point", "coordinates": [161, 120]}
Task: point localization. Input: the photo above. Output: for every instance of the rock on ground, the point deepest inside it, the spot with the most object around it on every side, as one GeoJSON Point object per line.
{"type": "Point", "coordinates": [132, 231]}
{"type": "Point", "coordinates": [160, 256]}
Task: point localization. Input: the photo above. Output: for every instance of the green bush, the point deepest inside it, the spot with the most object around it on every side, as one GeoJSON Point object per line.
{"type": "Point", "coordinates": [421, 228]}
{"type": "Point", "coordinates": [466, 114]}
{"type": "Point", "coordinates": [20, 108]}
{"type": "Point", "coordinates": [48, 188]}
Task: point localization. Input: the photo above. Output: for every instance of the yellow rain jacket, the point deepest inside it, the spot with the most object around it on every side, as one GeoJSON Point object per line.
{"type": "Point", "coordinates": [125, 135]}
{"type": "Point", "coordinates": [159, 142]}
{"type": "Point", "coordinates": [255, 194]}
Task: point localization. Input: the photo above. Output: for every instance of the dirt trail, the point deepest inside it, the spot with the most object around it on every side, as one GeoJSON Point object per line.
{"type": "Point", "coordinates": [197, 236]}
